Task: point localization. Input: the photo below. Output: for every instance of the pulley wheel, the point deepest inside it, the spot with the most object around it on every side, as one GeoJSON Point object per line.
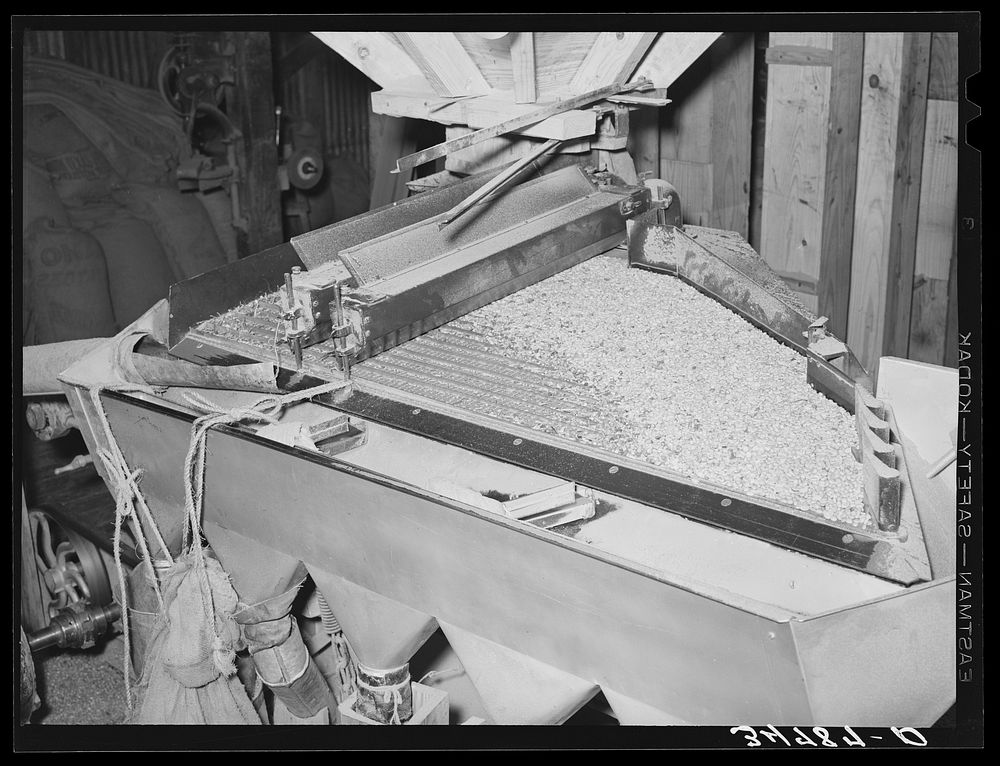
{"type": "Point", "coordinates": [71, 567]}
{"type": "Point", "coordinates": [305, 169]}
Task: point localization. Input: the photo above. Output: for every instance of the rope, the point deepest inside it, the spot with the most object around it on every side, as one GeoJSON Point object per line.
{"type": "Point", "coordinates": [264, 410]}
{"type": "Point", "coordinates": [434, 673]}
{"type": "Point", "coordinates": [389, 690]}
{"type": "Point", "coordinates": [125, 484]}
{"type": "Point", "coordinates": [129, 498]}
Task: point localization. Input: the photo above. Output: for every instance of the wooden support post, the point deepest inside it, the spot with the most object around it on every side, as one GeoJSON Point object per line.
{"type": "Point", "coordinates": [883, 60]}
{"type": "Point", "coordinates": [951, 324]}
{"type": "Point", "coordinates": [391, 138]}
{"type": "Point", "coordinates": [251, 108]}
{"type": "Point", "coordinates": [906, 192]}
{"type": "Point", "coordinates": [935, 235]}
{"type": "Point", "coordinates": [522, 62]}
{"type": "Point", "coordinates": [731, 126]}
{"type": "Point", "coordinates": [644, 140]}
{"type": "Point", "coordinates": [841, 179]}
{"type": "Point", "coordinates": [794, 164]}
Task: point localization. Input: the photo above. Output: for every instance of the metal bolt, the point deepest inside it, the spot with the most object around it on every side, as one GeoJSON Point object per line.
{"type": "Point", "coordinates": [296, 269]}
{"type": "Point", "coordinates": [315, 303]}
{"type": "Point", "coordinates": [416, 411]}
{"type": "Point", "coordinates": [848, 539]}
{"type": "Point", "coordinates": [726, 501]}
{"type": "Point", "coordinates": [613, 469]}
{"type": "Point", "coordinates": [518, 441]}
{"type": "Point", "coordinates": [362, 52]}
{"type": "Point", "coordinates": [620, 35]}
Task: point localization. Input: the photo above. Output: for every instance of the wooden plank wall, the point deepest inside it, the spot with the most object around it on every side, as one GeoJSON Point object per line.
{"type": "Point", "coordinates": [798, 102]}
{"type": "Point", "coordinates": [859, 184]}
{"type": "Point", "coordinates": [701, 142]}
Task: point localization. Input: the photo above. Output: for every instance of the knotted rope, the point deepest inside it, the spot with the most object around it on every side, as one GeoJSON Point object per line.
{"type": "Point", "coordinates": [128, 498]}
{"type": "Point", "coordinates": [264, 410]}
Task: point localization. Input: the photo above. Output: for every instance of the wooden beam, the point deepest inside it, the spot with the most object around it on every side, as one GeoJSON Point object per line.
{"type": "Point", "coordinates": [758, 139]}
{"type": "Point", "coordinates": [943, 83]}
{"type": "Point", "coordinates": [840, 183]}
{"type": "Point", "coordinates": [644, 140]}
{"type": "Point", "coordinates": [882, 76]}
{"type": "Point", "coordinates": [392, 137]}
{"type": "Point", "coordinates": [522, 63]}
{"type": "Point", "coordinates": [794, 168]}
{"type": "Point", "coordinates": [731, 127]}
{"type": "Point", "coordinates": [951, 323]}
{"type": "Point", "coordinates": [251, 110]}
{"type": "Point", "coordinates": [906, 192]}
{"type": "Point", "coordinates": [935, 247]}
{"type": "Point", "coordinates": [613, 58]}
{"type": "Point", "coordinates": [798, 55]}
{"type": "Point", "coordinates": [672, 54]}
{"type": "Point", "coordinates": [483, 112]}
{"type": "Point", "coordinates": [380, 57]}
{"type": "Point", "coordinates": [444, 63]}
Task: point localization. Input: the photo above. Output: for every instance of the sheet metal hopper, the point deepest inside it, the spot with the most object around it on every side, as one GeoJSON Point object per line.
{"type": "Point", "coordinates": [696, 604]}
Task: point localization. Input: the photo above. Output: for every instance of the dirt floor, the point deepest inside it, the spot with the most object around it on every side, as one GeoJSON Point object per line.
{"type": "Point", "coordinates": [81, 686]}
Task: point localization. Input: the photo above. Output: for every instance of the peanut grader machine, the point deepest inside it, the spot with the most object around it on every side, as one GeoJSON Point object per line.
{"type": "Point", "coordinates": [571, 452]}
{"type": "Point", "coordinates": [447, 486]}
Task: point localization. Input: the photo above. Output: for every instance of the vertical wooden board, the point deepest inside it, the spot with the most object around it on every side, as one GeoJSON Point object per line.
{"type": "Point", "coordinates": [758, 139]}
{"type": "Point", "coordinates": [380, 57]}
{"type": "Point", "coordinates": [938, 190]}
{"type": "Point", "coordinates": [929, 320]}
{"type": "Point", "coordinates": [557, 57]}
{"type": "Point", "coordinates": [798, 103]}
{"type": "Point", "coordinates": [685, 125]}
{"type": "Point", "coordinates": [944, 67]}
{"type": "Point", "coordinates": [392, 138]}
{"type": "Point", "coordinates": [951, 326]}
{"type": "Point", "coordinates": [613, 57]}
{"type": "Point", "coordinates": [444, 63]}
{"type": "Point", "coordinates": [732, 106]}
{"type": "Point", "coordinates": [928, 326]}
{"type": "Point", "coordinates": [522, 65]}
{"type": "Point", "coordinates": [809, 300]}
{"type": "Point", "coordinates": [873, 201]}
{"type": "Point", "coordinates": [672, 54]}
{"type": "Point", "coordinates": [644, 140]}
{"type": "Point", "coordinates": [840, 181]}
{"type": "Point", "coordinates": [906, 191]}
{"type": "Point", "coordinates": [693, 181]}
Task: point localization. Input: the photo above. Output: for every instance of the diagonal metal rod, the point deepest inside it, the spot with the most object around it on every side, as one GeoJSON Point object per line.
{"type": "Point", "coordinates": [498, 181]}
{"type": "Point", "coordinates": [516, 123]}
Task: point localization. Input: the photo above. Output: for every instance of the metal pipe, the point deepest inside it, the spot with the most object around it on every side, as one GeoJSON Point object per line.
{"type": "Point", "coordinates": [497, 182]}
{"type": "Point", "coordinates": [76, 627]}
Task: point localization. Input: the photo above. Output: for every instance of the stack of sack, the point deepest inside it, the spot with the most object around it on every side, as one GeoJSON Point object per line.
{"type": "Point", "coordinates": [106, 232]}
